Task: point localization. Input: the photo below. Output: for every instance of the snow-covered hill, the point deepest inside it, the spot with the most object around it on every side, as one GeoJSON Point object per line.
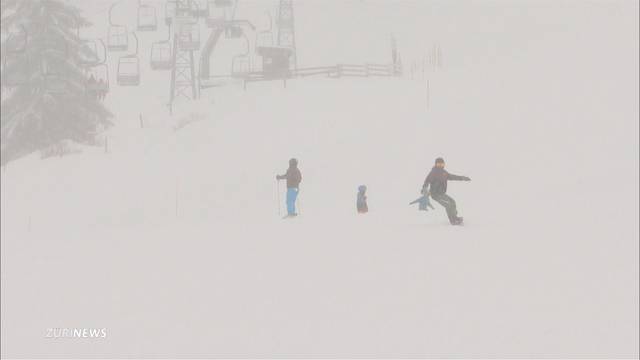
{"type": "Point", "coordinates": [172, 240]}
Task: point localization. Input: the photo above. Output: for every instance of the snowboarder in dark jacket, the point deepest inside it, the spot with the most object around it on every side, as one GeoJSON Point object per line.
{"type": "Point", "coordinates": [293, 177]}
{"type": "Point", "coordinates": [361, 200]}
{"type": "Point", "coordinates": [436, 185]}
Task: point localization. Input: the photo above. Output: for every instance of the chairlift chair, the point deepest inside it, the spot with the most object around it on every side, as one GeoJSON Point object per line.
{"type": "Point", "coordinates": [129, 71]}
{"type": "Point", "coordinates": [161, 56]}
{"type": "Point", "coordinates": [264, 39]}
{"type": "Point", "coordinates": [169, 12]}
{"type": "Point", "coordinates": [89, 53]}
{"type": "Point", "coordinates": [147, 19]}
{"type": "Point", "coordinates": [118, 38]}
{"type": "Point", "coordinates": [240, 66]}
{"type": "Point", "coordinates": [117, 35]}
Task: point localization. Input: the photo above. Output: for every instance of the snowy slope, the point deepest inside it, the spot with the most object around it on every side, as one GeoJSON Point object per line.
{"type": "Point", "coordinates": [172, 240]}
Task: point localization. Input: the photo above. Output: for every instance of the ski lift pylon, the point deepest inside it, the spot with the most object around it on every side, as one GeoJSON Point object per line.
{"type": "Point", "coordinates": [189, 37]}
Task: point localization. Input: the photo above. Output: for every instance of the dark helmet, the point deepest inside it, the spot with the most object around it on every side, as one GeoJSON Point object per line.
{"type": "Point", "coordinates": [362, 188]}
{"type": "Point", "coordinates": [439, 160]}
{"type": "Point", "coordinates": [293, 162]}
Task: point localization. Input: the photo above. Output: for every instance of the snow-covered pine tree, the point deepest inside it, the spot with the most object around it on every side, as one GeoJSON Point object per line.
{"type": "Point", "coordinates": [44, 87]}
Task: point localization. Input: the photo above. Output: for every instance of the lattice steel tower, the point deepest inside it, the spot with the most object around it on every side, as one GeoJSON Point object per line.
{"type": "Point", "coordinates": [186, 40]}
{"type": "Point", "coordinates": [286, 29]}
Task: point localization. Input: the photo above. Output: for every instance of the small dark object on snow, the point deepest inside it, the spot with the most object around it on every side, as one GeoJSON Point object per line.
{"type": "Point", "coordinates": [361, 201]}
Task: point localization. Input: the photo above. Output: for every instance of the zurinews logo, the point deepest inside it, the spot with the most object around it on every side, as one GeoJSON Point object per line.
{"type": "Point", "coordinates": [57, 333]}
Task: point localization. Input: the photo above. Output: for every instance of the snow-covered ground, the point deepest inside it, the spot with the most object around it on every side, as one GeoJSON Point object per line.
{"type": "Point", "coordinates": [172, 240]}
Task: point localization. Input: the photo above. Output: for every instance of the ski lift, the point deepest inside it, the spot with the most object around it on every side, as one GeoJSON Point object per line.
{"type": "Point", "coordinates": [118, 38]}
{"type": "Point", "coordinates": [147, 19]}
{"type": "Point", "coordinates": [117, 35]}
{"type": "Point", "coordinates": [241, 64]}
{"type": "Point", "coordinates": [129, 68]}
{"type": "Point", "coordinates": [169, 12]}
{"type": "Point", "coordinates": [129, 71]}
{"type": "Point", "coordinates": [88, 53]}
{"type": "Point", "coordinates": [189, 37]}
{"type": "Point", "coordinates": [264, 39]}
{"type": "Point", "coordinates": [161, 55]}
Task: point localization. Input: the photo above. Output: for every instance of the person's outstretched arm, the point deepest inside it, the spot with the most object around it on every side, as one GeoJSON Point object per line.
{"type": "Point", "coordinates": [457, 177]}
{"type": "Point", "coordinates": [282, 177]}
